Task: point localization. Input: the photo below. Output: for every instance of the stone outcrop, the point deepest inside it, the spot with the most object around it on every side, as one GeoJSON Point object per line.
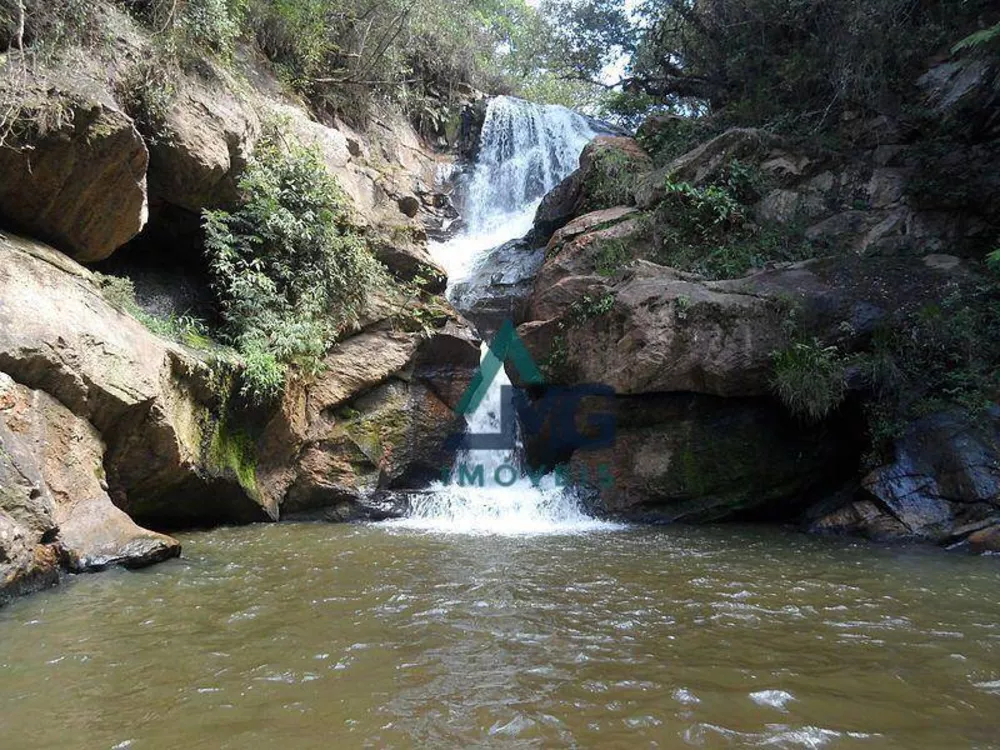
{"type": "Point", "coordinates": [54, 506]}
{"type": "Point", "coordinates": [60, 459]}
{"type": "Point", "coordinates": [74, 173]}
{"type": "Point", "coordinates": [205, 138]}
{"type": "Point", "coordinates": [379, 416]}
{"type": "Point", "coordinates": [150, 400]}
{"type": "Point", "coordinates": [701, 435]}
{"type": "Point", "coordinates": [941, 485]}
{"type": "Point", "coordinates": [606, 162]}
{"type": "Point", "coordinates": [660, 330]}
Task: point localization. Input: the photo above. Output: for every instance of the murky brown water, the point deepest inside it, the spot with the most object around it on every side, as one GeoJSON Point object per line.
{"type": "Point", "coordinates": [315, 636]}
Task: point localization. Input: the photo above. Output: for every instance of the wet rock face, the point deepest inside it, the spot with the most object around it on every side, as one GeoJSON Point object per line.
{"type": "Point", "coordinates": [699, 459]}
{"type": "Point", "coordinates": [498, 287]}
{"type": "Point", "coordinates": [79, 182]}
{"type": "Point", "coordinates": [943, 484]}
{"type": "Point", "coordinates": [54, 507]}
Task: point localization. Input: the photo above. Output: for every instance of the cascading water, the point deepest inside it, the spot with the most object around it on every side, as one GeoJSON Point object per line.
{"type": "Point", "coordinates": [525, 151]}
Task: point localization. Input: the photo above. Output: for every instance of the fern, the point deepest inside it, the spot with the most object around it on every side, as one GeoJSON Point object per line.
{"type": "Point", "coordinates": [978, 39]}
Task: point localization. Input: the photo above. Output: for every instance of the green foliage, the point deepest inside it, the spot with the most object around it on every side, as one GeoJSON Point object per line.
{"type": "Point", "coordinates": [557, 361]}
{"type": "Point", "coordinates": [49, 25]}
{"type": "Point", "coordinates": [611, 255]}
{"type": "Point", "coordinates": [809, 378]}
{"type": "Point", "coordinates": [978, 40]}
{"type": "Point", "coordinates": [193, 27]}
{"type": "Point", "coordinates": [666, 137]}
{"type": "Point", "coordinates": [746, 183]}
{"type": "Point", "coordinates": [794, 66]}
{"type": "Point", "coordinates": [588, 307]}
{"type": "Point", "coordinates": [706, 230]}
{"type": "Point", "coordinates": [701, 210]}
{"type": "Point", "coordinates": [993, 261]}
{"type": "Point", "coordinates": [184, 329]}
{"type": "Point", "coordinates": [290, 270]}
{"type": "Point", "coordinates": [943, 355]}
{"type": "Point", "coordinates": [611, 179]}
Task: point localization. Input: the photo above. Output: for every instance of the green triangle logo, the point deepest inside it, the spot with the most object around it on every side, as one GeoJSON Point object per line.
{"type": "Point", "coordinates": [505, 345]}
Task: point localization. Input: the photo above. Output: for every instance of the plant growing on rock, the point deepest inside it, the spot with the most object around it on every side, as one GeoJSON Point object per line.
{"type": "Point", "coordinates": [290, 270]}
{"type": "Point", "coordinates": [809, 378]}
{"type": "Point", "coordinates": [611, 180]}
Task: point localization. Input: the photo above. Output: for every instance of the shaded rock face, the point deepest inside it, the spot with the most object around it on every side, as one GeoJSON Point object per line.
{"type": "Point", "coordinates": [79, 183]}
{"type": "Point", "coordinates": [54, 507]}
{"type": "Point", "coordinates": [379, 416]}
{"type": "Point", "coordinates": [152, 402]}
{"type": "Point", "coordinates": [498, 287]}
{"type": "Point", "coordinates": [689, 458]}
{"type": "Point", "coordinates": [942, 485]}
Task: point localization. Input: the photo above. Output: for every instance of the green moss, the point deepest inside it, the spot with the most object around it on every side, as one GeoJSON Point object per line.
{"type": "Point", "coordinates": [232, 449]}
{"type": "Point", "coordinates": [378, 430]}
{"type": "Point", "coordinates": [610, 256]}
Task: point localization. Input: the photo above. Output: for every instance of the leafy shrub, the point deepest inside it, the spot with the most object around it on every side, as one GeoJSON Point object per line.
{"type": "Point", "coordinates": [701, 210]}
{"type": "Point", "coordinates": [993, 261]}
{"type": "Point", "coordinates": [809, 378]}
{"type": "Point", "coordinates": [48, 24]}
{"type": "Point", "coordinates": [290, 270]}
{"type": "Point", "coordinates": [706, 230]}
{"type": "Point", "coordinates": [588, 307]}
{"type": "Point", "coordinates": [980, 40]}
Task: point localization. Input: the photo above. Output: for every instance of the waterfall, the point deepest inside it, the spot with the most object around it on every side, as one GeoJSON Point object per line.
{"type": "Point", "coordinates": [525, 151]}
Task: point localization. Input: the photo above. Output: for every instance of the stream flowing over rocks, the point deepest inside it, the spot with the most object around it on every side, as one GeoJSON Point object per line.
{"type": "Point", "coordinates": [111, 434]}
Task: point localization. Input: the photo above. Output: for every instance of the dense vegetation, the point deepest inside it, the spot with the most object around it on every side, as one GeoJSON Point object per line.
{"type": "Point", "coordinates": [346, 57]}
{"type": "Point", "coordinates": [793, 65]}
{"type": "Point", "coordinates": [290, 270]}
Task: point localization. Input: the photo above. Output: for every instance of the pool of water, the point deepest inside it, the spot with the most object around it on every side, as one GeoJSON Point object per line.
{"type": "Point", "coordinates": [321, 636]}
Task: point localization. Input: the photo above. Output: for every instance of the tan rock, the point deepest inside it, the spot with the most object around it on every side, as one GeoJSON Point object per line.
{"type": "Point", "coordinates": [149, 399]}
{"type": "Point", "coordinates": [78, 180]}
{"type": "Point", "coordinates": [207, 136]}
{"type": "Point", "coordinates": [92, 532]}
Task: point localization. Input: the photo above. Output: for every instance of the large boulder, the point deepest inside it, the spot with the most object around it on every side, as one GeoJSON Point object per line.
{"type": "Point", "coordinates": [74, 172]}
{"type": "Point", "coordinates": [651, 329]}
{"type": "Point", "coordinates": [942, 484]}
{"type": "Point", "coordinates": [61, 456]}
{"type": "Point", "coordinates": [203, 143]}
{"type": "Point", "coordinates": [378, 416]}
{"type": "Point", "coordinates": [607, 177]}
{"type": "Point", "coordinates": [154, 403]}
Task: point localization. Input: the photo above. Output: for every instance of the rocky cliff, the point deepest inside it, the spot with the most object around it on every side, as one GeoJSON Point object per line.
{"type": "Point", "coordinates": [113, 415]}
{"type": "Point", "coordinates": [792, 332]}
